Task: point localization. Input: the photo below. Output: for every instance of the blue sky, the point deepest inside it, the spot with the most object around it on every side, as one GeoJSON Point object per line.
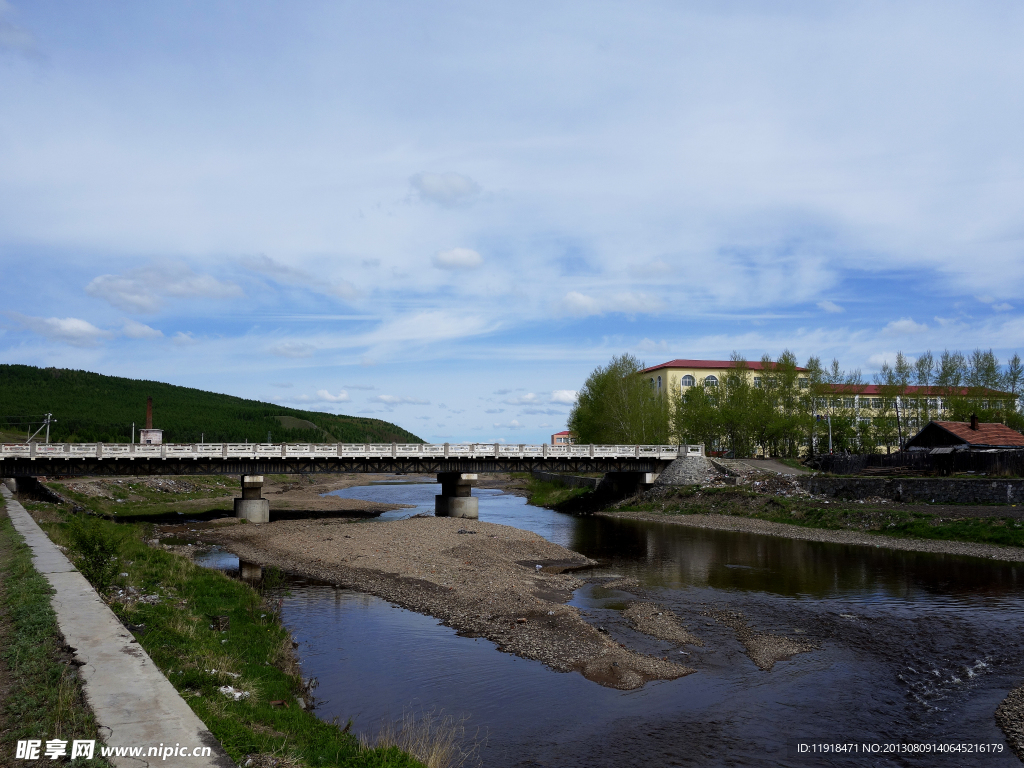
{"type": "Point", "coordinates": [447, 214]}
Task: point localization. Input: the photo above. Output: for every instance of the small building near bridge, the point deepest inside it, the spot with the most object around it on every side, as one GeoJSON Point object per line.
{"type": "Point", "coordinates": [565, 437]}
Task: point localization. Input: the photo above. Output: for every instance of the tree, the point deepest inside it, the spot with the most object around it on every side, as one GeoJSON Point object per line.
{"type": "Point", "coordinates": [618, 405]}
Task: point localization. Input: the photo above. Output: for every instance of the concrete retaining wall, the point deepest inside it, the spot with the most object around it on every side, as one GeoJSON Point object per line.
{"type": "Point", "coordinates": [919, 489]}
{"type": "Point", "coordinates": [571, 481]}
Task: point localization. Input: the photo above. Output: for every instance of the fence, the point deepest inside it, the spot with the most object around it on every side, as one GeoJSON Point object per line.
{"type": "Point", "coordinates": [994, 463]}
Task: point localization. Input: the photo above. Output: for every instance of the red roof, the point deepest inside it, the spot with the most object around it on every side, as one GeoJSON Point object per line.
{"type": "Point", "coordinates": [753, 366]}
{"type": "Point", "coordinates": [563, 432]}
{"type": "Point", "coordinates": [877, 389]}
{"type": "Point", "coordinates": [985, 434]}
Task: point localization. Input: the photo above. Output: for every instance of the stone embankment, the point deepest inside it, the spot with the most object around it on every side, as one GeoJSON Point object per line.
{"type": "Point", "coordinates": [939, 490]}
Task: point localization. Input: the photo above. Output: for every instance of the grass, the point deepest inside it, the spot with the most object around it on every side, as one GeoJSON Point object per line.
{"type": "Point", "coordinates": [43, 697]}
{"type": "Point", "coordinates": [542, 493]}
{"type": "Point", "coordinates": [253, 655]}
{"type": "Point", "coordinates": [135, 499]}
{"type": "Point", "coordinates": [882, 519]}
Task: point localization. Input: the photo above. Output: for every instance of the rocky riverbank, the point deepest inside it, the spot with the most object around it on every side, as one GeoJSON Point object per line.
{"type": "Point", "coordinates": [506, 584]}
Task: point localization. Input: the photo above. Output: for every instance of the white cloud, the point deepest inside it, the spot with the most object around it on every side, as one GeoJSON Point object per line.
{"type": "Point", "coordinates": [445, 189]}
{"type": "Point", "coordinates": [1002, 307]}
{"type": "Point", "coordinates": [327, 397]}
{"type": "Point", "coordinates": [66, 330]}
{"type": "Point", "coordinates": [830, 306]}
{"type": "Point", "coordinates": [458, 258]}
{"type": "Point", "coordinates": [580, 305]}
{"type": "Point", "coordinates": [903, 327]}
{"type": "Point", "coordinates": [136, 330]}
{"type": "Point", "coordinates": [183, 339]}
{"type": "Point", "coordinates": [294, 349]}
{"type": "Point", "coordinates": [514, 424]}
{"type": "Point", "coordinates": [567, 396]}
{"type": "Point", "coordinates": [495, 410]}
{"type": "Point", "coordinates": [527, 399]}
{"type": "Point", "coordinates": [288, 275]}
{"type": "Point", "coordinates": [143, 290]}
{"type": "Point", "coordinates": [394, 400]}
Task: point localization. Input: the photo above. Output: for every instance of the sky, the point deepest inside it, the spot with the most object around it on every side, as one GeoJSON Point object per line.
{"type": "Point", "coordinates": [447, 214]}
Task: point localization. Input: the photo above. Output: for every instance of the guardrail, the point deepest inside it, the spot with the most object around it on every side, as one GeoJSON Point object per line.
{"type": "Point", "coordinates": [341, 450]}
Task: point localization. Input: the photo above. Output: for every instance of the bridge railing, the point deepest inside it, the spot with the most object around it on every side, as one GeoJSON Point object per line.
{"type": "Point", "coordinates": [341, 450]}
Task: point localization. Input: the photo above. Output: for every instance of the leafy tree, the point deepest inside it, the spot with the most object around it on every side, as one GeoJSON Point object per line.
{"type": "Point", "coordinates": [618, 405]}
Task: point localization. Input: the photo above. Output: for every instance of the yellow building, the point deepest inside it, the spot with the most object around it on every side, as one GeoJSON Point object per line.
{"type": "Point", "coordinates": [676, 375]}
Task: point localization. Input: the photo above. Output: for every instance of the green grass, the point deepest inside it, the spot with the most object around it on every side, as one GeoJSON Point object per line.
{"type": "Point", "coordinates": [136, 499]}
{"type": "Point", "coordinates": [45, 698]}
{"type": "Point", "coordinates": [542, 493]}
{"type": "Point", "coordinates": [254, 655]}
{"type": "Point", "coordinates": [885, 520]}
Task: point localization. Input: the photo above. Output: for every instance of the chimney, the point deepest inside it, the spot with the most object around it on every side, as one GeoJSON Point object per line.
{"type": "Point", "coordinates": [974, 422]}
{"type": "Point", "coordinates": [149, 413]}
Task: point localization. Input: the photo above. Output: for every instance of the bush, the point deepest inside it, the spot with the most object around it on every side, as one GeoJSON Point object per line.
{"type": "Point", "coordinates": [96, 548]}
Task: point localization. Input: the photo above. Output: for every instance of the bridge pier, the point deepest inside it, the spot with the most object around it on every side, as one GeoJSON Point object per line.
{"type": "Point", "coordinates": [252, 506]}
{"type": "Point", "coordinates": [456, 498]}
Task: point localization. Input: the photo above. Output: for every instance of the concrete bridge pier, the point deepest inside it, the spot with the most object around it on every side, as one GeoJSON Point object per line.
{"type": "Point", "coordinates": [456, 499]}
{"type": "Point", "coordinates": [252, 506]}
{"type": "Point", "coordinates": [622, 484]}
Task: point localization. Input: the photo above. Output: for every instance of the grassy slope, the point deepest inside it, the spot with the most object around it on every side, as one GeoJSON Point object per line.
{"type": "Point", "coordinates": [887, 519]}
{"type": "Point", "coordinates": [42, 694]}
{"type": "Point", "coordinates": [253, 655]}
{"type": "Point", "coordinates": [93, 407]}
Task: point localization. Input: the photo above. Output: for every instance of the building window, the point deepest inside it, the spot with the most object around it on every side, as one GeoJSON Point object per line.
{"type": "Point", "coordinates": [687, 381]}
{"type": "Point", "coordinates": [847, 402]}
{"type": "Point", "coordinates": [864, 422]}
{"type": "Point", "coordinates": [710, 381]}
{"type": "Point", "coordinates": [804, 383]}
{"type": "Point", "coordinates": [876, 402]}
{"type": "Point", "coordinates": [933, 403]}
{"type": "Point", "coordinates": [757, 382]}
{"type": "Point", "coordinates": [659, 383]}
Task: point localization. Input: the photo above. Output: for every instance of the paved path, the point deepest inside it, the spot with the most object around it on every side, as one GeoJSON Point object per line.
{"type": "Point", "coordinates": [135, 705]}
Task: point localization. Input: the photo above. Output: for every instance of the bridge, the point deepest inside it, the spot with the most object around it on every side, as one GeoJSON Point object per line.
{"type": "Point", "coordinates": [455, 464]}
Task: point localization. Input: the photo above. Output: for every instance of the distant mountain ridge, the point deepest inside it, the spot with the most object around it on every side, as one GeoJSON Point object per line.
{"type": "Point", "coordinates": [91, 407]}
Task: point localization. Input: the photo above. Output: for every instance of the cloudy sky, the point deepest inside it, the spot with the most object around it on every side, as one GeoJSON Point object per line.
{"type": "Point", "coordinates": [447, 214]}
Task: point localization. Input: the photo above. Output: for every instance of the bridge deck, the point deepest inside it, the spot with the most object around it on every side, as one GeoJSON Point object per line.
{"type": "Point", "coordinates": [34, 459]}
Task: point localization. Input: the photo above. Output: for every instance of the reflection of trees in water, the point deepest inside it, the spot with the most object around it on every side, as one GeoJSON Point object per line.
{"type": "Point", "coordinates": [675, 556]}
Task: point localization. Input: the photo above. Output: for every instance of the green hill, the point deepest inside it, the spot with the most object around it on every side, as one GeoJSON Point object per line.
{"type": "Point", "coordinates": [90, 407]}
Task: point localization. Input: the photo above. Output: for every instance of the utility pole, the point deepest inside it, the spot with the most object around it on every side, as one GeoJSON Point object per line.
{"type": "Point", "coordinates": [133, 433]}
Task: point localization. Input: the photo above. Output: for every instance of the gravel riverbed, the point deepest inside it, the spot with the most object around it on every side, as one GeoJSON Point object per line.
{"type": "Point", "coordinates": [486, 580]}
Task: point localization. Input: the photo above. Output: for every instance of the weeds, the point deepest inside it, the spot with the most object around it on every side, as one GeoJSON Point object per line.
{"type": "Point", "coordinates": [96, 549]}
{"type": "Point", "coordinates": [436, 740]}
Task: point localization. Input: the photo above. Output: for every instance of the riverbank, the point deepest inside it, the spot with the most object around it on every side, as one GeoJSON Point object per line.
{"type": "Point", "coordinates": [505, 584]}
{"type": "Point", "coordinates": [219, 642]}
{"type": "Point", "coordinates": [40, 688]}
{"type": "Point", "coordinates": [768, 528]}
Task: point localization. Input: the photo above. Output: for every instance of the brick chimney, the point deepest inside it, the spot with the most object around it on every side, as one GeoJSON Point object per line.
{"type": "Point", "coordinates": [974, 422]}
{"type": "Point", "coordinates": [149, 413]}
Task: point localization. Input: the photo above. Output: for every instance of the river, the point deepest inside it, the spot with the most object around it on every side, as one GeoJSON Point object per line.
{"type": "Point", "coordinates": [914, 648]}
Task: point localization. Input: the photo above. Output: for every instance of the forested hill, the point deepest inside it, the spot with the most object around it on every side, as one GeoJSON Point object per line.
{"type": "Point", "coordinates": [90, 407]}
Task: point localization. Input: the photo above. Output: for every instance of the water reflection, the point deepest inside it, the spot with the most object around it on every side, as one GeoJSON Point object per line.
{"type": "Point", "coordinates": [912, 647]}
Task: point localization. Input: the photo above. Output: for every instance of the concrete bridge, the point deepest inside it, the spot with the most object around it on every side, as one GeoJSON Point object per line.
{"type": "Point", "coordinates": [455, 464]}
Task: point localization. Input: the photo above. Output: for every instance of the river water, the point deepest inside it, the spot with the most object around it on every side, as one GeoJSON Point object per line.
{"type": "Point", "coordinates": [914, 648]}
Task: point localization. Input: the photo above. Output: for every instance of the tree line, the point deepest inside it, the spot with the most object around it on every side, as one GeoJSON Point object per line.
{"type": "Point", "coordinates": [784, 411]}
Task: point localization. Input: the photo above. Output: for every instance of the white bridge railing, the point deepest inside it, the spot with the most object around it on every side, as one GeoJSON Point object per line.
{"type": "Point", "coordinates": [342, 450]}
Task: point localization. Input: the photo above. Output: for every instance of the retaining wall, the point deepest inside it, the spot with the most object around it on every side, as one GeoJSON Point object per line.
{"type": "Point", "coordinates": [919, 489]}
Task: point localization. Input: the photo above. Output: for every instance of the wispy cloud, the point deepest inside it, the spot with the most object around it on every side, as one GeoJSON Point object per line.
{"type": "Point", "coordinates": [458, 258]}
{"type": "Point", "coordinates": [145, 290]}
{"type": "Point", "coordinates": [445, 189]}
{"type": "Point", "coordinates": [296, 349]}
{"type": "Point", "coordinates": [395, 400]}
{"type": "Point", "coordinates": [64, 330]}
